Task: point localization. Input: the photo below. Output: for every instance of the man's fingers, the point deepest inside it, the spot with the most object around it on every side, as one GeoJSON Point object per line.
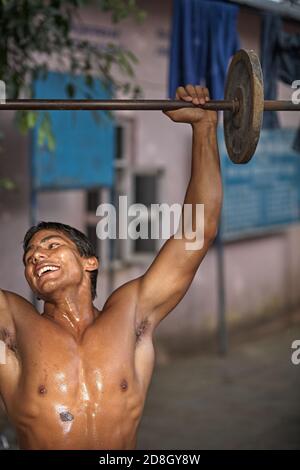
{"type": "Point", "coordinates": [182, 94]}
{"type": "Point", "coordinates": [197, 94]}
{"type": "Point", "coordinates": [191, 89]}
{"type": "Point", "coordinates": [207, 97]}
{"type": "Point", "coordinates": [202, 93]}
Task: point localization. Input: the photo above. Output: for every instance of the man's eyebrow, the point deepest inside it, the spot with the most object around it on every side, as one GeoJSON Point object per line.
{"type": "Point", "coordinates": [45, 239]}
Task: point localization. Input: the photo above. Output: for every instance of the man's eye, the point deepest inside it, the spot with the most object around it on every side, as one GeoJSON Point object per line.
{"type": "Point", "coordinates": [53, 245]}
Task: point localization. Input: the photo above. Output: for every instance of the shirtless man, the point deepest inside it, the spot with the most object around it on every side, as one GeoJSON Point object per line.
{"type": "Point", "coordinates": [76, 377]}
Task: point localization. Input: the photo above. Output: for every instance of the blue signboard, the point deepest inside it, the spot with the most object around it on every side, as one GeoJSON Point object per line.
{"type": "Point", "coordinates": [265, 193]}
{"type": "Point", "coordinates": [84, 152]}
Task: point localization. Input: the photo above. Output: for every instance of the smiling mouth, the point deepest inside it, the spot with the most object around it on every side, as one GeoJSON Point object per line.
{"type": "Point", "coordinates": [46, 270]}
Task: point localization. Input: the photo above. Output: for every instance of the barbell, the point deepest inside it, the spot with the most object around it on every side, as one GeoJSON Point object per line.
{"type": "Point", "coordinates": [243, 105]}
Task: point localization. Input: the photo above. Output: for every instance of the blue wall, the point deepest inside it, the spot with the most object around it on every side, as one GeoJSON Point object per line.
{"type": "Point", "coordinates": [265, 193]}
{"type": "Point", "coordinates": [84, 153]}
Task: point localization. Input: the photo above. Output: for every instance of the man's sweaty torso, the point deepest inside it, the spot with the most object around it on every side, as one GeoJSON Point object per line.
{"type": "Point", "coordinates": [63, 393]}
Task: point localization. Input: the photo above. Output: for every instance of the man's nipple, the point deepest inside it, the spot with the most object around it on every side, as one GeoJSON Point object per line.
{"type": "Point", "coordinates": [42, 390]}
{"type": "Point", "coordinates": [124, 385]}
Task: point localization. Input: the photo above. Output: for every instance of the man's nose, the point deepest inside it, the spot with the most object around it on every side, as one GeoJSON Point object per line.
{"type": "Point", "coordinates": [38, 255]}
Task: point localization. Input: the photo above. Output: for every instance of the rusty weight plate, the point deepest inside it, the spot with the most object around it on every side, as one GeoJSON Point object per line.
{"type": "Point", "coordinates": [244, 83]}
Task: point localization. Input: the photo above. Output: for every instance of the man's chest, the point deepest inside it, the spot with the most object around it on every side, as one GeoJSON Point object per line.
{"type": "Point", "coordinates": [107, 358]}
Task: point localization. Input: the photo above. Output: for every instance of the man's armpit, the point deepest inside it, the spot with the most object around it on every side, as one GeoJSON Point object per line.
{"type": "Point", "coordinates": [8, 338]}
{"type": "Point", "coordinates": [2, 352]}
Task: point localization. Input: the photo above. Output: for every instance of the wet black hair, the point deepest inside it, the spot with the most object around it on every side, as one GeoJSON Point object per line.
{"type": "Point", "coordinates": [83, 244]}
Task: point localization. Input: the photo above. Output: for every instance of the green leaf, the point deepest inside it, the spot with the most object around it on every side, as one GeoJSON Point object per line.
{"type": "Point", "coordinates": [7, 183]}
{"type": "Point", "coordinates": [41, 136]}
{"type": "Point", "coordinates": [70, 90]}
{"type": "Point", "coordinates": [132, 57]}
{"type": "Point", "coordinates": [31, 119]}
{"type": "Point", "coordinates": [89, 81]}
{"type": "Point", "coordinates": [51, 142]}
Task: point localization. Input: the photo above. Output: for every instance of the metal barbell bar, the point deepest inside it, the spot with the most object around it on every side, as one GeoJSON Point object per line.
{"type": "Point", "coordinates": [113, 105]}
{"type": "Point", "coordinates": [243, 105]}
{"type": "Point", "coordinates": [138, 105]}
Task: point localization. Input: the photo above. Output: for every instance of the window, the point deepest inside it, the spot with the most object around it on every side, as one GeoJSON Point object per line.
{"type": "Point", "coordinates": [146, 192]}
{"type": "Point", "coordinates": [141, 185]}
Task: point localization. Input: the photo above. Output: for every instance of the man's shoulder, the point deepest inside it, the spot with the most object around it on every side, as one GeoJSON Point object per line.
{"type": "Point", "coordinates": [12, 303]}
{"type": "Point", "coordinates": [4, 298]}
{"type": "Point", "coordinates": [8, 296]}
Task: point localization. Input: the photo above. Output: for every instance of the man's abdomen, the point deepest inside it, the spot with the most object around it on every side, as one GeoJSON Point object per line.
{"type": "Point", "coordinates": [78, 408]}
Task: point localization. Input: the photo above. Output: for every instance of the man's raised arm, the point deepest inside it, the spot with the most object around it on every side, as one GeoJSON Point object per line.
{"type": "Point", "coordinates": [171, 273]}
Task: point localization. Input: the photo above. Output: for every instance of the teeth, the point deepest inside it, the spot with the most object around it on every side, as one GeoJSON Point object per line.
{"type": "Point", "coordinates": [47, 268]}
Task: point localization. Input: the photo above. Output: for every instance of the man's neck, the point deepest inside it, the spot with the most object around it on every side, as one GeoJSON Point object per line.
{"type": "Point", "coordinates": [73, 311]}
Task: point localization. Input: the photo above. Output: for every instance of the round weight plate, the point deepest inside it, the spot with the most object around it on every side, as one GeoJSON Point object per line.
{"type": "Point", "coordinates": [244, 83]}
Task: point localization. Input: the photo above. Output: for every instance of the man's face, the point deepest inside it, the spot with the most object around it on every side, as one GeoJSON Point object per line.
{"type": "Point", "coordinates": [53, 264]}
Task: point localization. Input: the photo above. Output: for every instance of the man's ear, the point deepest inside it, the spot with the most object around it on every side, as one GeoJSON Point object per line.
{"type": "Point", "coordinates": [91, 264]}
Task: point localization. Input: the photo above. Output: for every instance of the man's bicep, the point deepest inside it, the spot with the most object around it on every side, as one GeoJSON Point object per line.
{"type": "Point", "coordinates": [169, 276]}
{"type": "Point", "coordinates": [126, 295]}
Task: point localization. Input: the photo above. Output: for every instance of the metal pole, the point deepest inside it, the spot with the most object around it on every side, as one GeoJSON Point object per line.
{"type": "Point", "coordinates": [276, 105]}
{"type": "Point", "coordinates": [152, 105]}
{"type": "Point", "coordinates": [143, 105]}
{"type": "Point", "coordinates": [222, 325]}
{"type": "Point", "coordinates": [33, 215]}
